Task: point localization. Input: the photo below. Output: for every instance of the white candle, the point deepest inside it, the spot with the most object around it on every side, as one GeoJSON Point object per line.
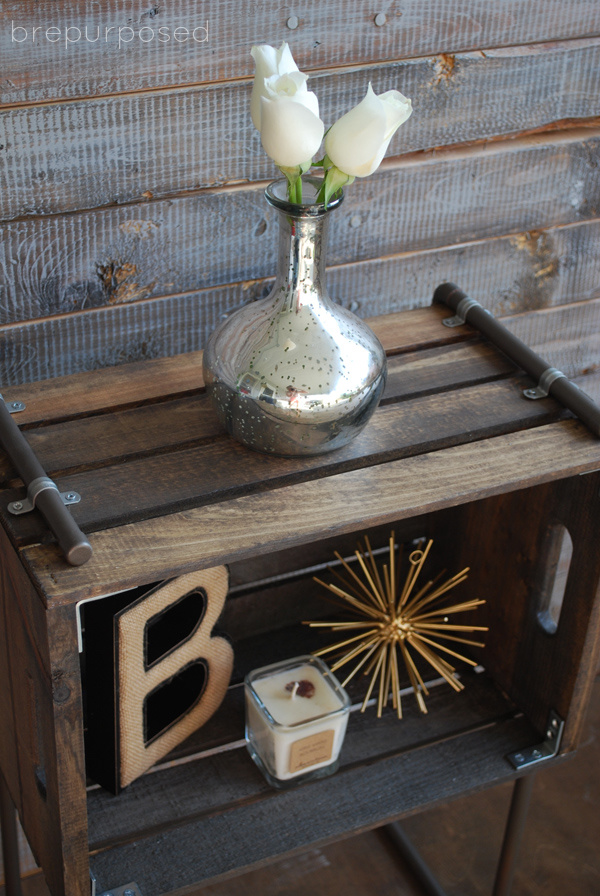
{"type": "Point", "coordinates": [296, 717]}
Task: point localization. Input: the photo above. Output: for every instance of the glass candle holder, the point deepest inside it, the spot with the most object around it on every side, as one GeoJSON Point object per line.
{"type": "Point", "coordinates": [296, 718]}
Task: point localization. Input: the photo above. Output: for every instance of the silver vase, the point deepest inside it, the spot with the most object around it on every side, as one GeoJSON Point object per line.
{"type": "Point", "coordinates": [295, 373]}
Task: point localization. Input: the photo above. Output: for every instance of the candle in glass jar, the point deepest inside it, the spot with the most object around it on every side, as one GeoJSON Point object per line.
{"type": "Point", "coordinates": [296, 717]}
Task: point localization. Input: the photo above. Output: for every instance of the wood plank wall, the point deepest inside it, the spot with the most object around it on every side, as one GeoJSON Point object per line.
{"type": "Point", "coordinates": [131, 178]}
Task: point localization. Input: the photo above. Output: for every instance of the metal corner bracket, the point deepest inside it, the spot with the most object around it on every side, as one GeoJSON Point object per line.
{"type": "Point", "coordinates": [13, 407]}
{"type": "Point", "coordinates": [131, 889]}
{"type": "Point", "coordinates": [548, 749]}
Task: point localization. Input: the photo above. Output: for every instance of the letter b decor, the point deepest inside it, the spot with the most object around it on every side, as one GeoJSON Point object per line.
{"type": "Point", "coordinates": [154, 672]}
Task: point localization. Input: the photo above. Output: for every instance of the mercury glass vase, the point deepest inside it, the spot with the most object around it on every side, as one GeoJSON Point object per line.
{"type": "Point", "coordinates": [295, 373]}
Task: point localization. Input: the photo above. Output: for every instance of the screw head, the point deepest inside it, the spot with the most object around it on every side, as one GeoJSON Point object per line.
{"type": "Point", "coordinates": [71, 496]}
{"type": "Point", "coordinates": [380, 19]}
{"type": "Point", "coordinates": [17, 505]}
{"type": "Point", "coordinates": [292, 23]}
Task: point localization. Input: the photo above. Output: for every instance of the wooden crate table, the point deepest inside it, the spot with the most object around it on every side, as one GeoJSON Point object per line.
{"type": "Point", "coordinates": [454, 453]}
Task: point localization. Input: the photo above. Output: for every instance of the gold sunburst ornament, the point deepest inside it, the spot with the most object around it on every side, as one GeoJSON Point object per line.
{"type": "Point", "coordinates": [395, 620]}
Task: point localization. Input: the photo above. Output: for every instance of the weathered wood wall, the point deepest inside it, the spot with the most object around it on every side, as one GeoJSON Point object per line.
{"type": "Point", "coordinates": [131, 208]}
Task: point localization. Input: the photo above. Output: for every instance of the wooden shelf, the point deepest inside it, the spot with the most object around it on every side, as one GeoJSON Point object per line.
{"type": "Point", "coordinates": [174, 827]}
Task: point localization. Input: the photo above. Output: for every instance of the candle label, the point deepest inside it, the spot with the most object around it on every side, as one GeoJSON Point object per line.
{"type": "Point", "coordinates": [311, 750]}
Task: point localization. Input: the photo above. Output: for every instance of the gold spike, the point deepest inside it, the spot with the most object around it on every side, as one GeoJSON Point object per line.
{"type": "Point", "coordinates": [415, 678]}
{"type": "Point", "coordinates": [361, 585]}
{"type": "Point", "coordinates": [348, 586]}
{"type": "Point", "coordinates": [355, 602]}
{"type": "Point", "coordinates": [453, 653]}
{"type": "Point", "coordinates": [426, 587]}
{"type": "Point", "coordinates": [339, 644]}
{"type": "Point", "coordinates": [374, 565]}
{"type": "Point", "coordinates": [398, 570]}
{"type": "Point", "coordinates": [417, 631]}
{"type": "Point", "coordinates": [338, 626]}
{"type": "Point", "coordinates": [380, 659]}
{"type": "Point", "coordinates": [388, 591]}
{"type": "Point", "coordinates": [361, 663]}
{"type": "Point", "coordinates": [352, 654]}
{"type": "Point", "coordinates": [456, 608]}
{"type": "Point", "coordinates": [413, 606]}
{"type": "Point", "coordinates": [410, 665]}
{"type": "Point", "coordinates": [455, 628]}
{"type": "Point", "coordinates": [383, 683]}
{"type": "Point", "coordinates": [396, 683]}
{"type": "Point", "coordinates": [378, 597]}
{"type": "Point", "coordinates": [392, 567]}
{"type": "Point", "coordinates": [447, 672]}
{"type": "Point", "coordinates": [417, 567]}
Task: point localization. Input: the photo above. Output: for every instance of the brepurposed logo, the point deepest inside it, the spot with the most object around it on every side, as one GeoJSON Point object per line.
{"type": "Point", "coordinates": [121, 34]}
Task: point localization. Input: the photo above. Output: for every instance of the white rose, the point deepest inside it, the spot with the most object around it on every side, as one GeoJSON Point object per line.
{"type": "Point", "coordinates": [291, 133]}
{"type": "Point", "coordinates": [358, 141]}
{"type": "Point", "coordinates": [268, 62]}
{"type": "Point", "coordinates": [284, 111]}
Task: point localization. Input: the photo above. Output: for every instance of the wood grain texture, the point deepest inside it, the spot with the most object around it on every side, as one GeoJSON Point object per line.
{"type": "Point", "coordinates": [532, 270]}
{"type": "Point", "coordinates": [106, 152]}
{"type": "Point", "coordinates": [48, 780]}
{"type": "Point", "coordinates": [569, 338]}
{"type": "Point", "coordinates": [154, 429]}
{"type": "Point", "coordinates": [119, 255]}
{"type": "Point", "coordinates": [541, 671]}
{"type": "Point", "coordinates": [548, 663]}
{"type": "Point", "coordinates": [394, 788]}
{"type": "Point", "coordinates": [156, 482]}
{"type": "Point", "coordinates": [143, 805]}
{"type": "Point", "coordinates": [134, 382]}
{"type": "Point", "coordinates": [34, 72]}
{"type": "Point", "coordinates": [154, 549]}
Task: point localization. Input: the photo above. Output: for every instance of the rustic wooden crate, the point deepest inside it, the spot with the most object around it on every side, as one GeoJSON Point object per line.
{"type": "Point", "coordinates": [454, 453]}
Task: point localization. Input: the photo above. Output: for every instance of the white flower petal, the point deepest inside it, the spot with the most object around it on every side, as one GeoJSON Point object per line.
{"type": "Point", "coordinates": [285, 60]}
{"type": "Point", "coordinates": [398, 109]}
{"type": "Point", "coordinates": [285, 85]}
{"type": "Point", "coordinates": [358, 141]}
{"type": "Point", "coordinates": [291, 133]}
{"type": "Point", "coordinates": [354, 140]}
{"type": "Point", "coordinates": [269, 63]}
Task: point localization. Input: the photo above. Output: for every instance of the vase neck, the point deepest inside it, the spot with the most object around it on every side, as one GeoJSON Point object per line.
{"type": "Point", "coordinates": [301, 262]}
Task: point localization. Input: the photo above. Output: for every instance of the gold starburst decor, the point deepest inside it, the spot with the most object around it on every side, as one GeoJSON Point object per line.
{"type": "Point", "coordinates": [393, 620]}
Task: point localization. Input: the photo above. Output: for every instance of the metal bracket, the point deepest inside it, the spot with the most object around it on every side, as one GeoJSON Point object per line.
{"type": "Point", "coordinates": [131, 889]}
{"type": "Point", "coordinates": [13, 407]}
{"type": "Point", "coordinates": [548, 749]}
{"type": "Point", "coordinates": [542, 390]}
{"type": "Point", "coordinates": [462, 309]}
{"type": "Point", "coordinates": [42, 483]}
